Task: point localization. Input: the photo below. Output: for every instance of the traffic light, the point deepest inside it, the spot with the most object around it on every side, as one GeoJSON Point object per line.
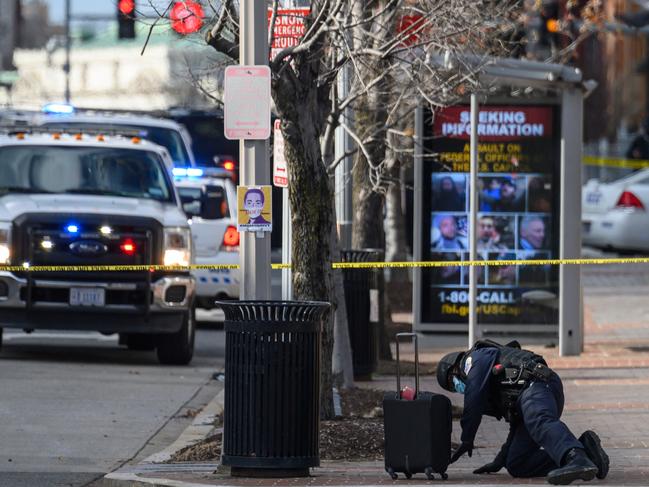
{"type": "Point", "coordinates": [550, 27]}
{"type": "Point", "coordinates": [126, 19]}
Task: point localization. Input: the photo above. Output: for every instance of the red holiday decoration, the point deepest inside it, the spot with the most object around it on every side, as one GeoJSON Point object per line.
{"type": "Point", "coordinates": [186, 17]}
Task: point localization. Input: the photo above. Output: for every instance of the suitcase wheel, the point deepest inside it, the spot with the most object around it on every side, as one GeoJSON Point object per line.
{"type": "Point", "coordinates": [408, 475]}
{"type": "Point", "coordinates": [444, 476]}
{"type": "Point", "coordinates": [392, 473]}
{"type": "Point", "coordinates": [429, 473]}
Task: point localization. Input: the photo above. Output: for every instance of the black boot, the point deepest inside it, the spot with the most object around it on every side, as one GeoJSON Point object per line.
{"type": "Point", "coordinates": [575, 466]}
{"type": "Point", "coordinates": [595, 452]}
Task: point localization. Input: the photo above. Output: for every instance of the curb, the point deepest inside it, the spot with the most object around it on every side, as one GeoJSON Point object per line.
{"type": "Point", "coordinates": [200, 428]}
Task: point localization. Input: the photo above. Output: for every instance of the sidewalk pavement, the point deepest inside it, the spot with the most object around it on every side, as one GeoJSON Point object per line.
{"type": "Point", "coordinates": [606, 389]}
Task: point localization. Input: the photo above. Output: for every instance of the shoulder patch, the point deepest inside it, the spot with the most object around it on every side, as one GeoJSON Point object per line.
{"type": "Point", "coordinates": [467, 365]}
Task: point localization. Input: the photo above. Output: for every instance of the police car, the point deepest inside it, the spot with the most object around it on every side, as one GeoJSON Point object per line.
{"type": "Point", "coordinates": [209, 200]}
{"type": "Point", "coordinates": [80, 199]}
{"type": "Point", "coordinates": [614, 214]}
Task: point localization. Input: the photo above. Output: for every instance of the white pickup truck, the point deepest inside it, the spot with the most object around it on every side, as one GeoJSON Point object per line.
{"type": "Point", "coordinates": [90, 199]}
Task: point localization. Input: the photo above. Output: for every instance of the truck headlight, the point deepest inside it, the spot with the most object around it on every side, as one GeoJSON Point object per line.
{"type": "Point", "coordinates": [5, 252]}
{"type": "Point", "coordinates": [178, 247]}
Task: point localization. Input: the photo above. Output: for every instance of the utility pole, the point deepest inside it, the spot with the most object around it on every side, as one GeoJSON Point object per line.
{"type": "Point", "coordinates": [68, 46]}
{"type": "Point", "coordinates": [255, 165]}
{"type": "Point", "coordinates": [343, 175]}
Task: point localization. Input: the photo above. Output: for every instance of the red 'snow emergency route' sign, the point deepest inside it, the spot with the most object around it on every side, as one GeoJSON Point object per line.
{"type": "Point", "coordinates": [289, 28]}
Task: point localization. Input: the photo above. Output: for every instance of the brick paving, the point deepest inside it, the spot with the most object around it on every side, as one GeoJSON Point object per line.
{"type": "Point", "coordinates": [606, 389]}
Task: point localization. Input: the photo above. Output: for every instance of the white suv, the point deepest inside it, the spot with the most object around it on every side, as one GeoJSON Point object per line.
{"type": "Point", "coordinates": [95, 200]}
{"type": "Point", "coordinates": [210, 202]}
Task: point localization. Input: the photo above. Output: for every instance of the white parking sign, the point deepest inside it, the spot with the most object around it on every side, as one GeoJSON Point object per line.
{"type": "Point", "coordinates": [247, 102]}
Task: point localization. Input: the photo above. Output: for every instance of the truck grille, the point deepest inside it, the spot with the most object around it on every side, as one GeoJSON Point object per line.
{"type": "Point", "coordinates": [46, 240]}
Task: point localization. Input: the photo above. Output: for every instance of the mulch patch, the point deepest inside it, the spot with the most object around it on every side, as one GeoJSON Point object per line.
{"type": "Point", "coordinates": [357, 435]}
{"type": "Point", "coordinates": [205, 450]}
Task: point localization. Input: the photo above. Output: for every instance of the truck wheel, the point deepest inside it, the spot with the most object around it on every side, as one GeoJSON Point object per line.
{"type": "Point", "coordinates": [178, 348]}
{"type": "Point", "coordinates": [140, 342]}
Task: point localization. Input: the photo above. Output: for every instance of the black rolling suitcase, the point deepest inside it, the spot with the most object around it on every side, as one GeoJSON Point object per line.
{"type": "Point", "coordinates": [418, 431]}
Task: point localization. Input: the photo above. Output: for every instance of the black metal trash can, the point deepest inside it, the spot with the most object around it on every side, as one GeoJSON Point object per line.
{"type": "Point", "coordinates": [272, 387]}
{"type": "Point", "coordinates": [363, 297]}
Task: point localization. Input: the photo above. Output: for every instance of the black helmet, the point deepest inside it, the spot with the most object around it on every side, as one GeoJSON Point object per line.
{"type": "Point", "coordinates": [444, 368]}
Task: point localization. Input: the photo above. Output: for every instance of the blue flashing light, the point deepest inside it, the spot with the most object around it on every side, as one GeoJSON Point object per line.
{"type": "Point", "coordinates": [191, 172]}
{"type": "Point", "coordinates": [72, 228]}
{"type": "Point", "coordinates": [58, 109]}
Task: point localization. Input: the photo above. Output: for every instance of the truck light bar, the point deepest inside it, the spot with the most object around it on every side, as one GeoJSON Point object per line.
{"type": "Point", "coordinates": [187, 172]}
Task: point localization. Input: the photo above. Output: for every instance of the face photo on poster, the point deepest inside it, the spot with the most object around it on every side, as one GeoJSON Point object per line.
{"type": "Point", "coordinates": [502, 275]}
{"type": "Point", "coordinates": [448, 275]}
{"type": "Point", "coordinates": [496, 232]}
{"type": "Point", "coordinates": [501, 193]}
{"type": "Point", "coordinates": [533, 232]}
{"type": "Point", "coordinates": [449, 232]}
{"type": "Point", "coordinates": [449, 192]}
{"type": "Point", "coordinates": [255, 208]}
{"type": "Point", "coordinates": [539, 194]}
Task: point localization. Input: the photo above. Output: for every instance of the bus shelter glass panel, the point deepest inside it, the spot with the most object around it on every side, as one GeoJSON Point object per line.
{"type": "Point", "coordinates": [518, 215]}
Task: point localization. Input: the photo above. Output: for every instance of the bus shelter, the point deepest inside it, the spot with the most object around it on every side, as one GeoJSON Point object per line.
{"type": "Point", "coordinates": [527, 159]}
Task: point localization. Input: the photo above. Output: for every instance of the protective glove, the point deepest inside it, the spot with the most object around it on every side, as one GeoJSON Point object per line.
{"type": "Point", "coordinates": [491, 467]}
{"type": "Point", "coordinates": [499, 462]}
{"type": "Point", "coordinates": [461, 450]}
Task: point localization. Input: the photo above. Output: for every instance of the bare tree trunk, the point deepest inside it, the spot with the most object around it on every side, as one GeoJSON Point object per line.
{"type": "Point", "coordinates": [343, 366]}
{"type": "Point", "coordinates": [367, 231]}
{"type": "Point", "coordinates": [397, 280]}
{"type": "Point", "coordinates": [311, 200]}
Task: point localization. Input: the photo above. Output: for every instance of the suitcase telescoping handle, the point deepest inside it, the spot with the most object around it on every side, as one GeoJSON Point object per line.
{"type": "Point", "coordinates": [414, 336]}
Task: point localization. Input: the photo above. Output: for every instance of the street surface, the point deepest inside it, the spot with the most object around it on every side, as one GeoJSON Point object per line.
{"type": "Point", "coordinates": [75, 406]}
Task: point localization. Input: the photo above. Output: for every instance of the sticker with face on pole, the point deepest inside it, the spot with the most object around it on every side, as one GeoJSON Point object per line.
{"type": "Point", "coordinates": [255, 206]}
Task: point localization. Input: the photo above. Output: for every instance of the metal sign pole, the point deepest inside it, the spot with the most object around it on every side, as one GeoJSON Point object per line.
{"type": "Point", "coordinates": [255, 165]}
{"type": "Point", "coordinates": [473, 223]}
{"type": "Point", "coordinates": [287, 229]}
{"type": "Point", "coordinates": [418, 164]}
{"type": "Point", "coordinates": [571, 337]}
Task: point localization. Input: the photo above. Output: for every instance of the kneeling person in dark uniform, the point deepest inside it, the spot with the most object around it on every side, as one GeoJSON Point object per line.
{"type": "Point", "coordinates": [507, 382]}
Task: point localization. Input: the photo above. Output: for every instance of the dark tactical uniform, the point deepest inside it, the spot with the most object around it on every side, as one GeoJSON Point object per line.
{"type": "Point", "coordinates": [514, 384]}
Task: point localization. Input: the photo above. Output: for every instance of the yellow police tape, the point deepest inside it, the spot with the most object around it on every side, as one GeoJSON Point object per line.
{"type": "Point", "coordinates": [615, 162]}
{"type": "Point", "coordinates": [336, 265]}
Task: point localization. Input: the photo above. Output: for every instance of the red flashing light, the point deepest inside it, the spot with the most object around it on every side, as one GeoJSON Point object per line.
{"type": "Point", "coordinates": [629, 200]}
{"type": "Point", "coordinates": [128, 247]}
{"type": "Point", "coordinates": [187, 17]}
{"type": "Point", "coordinates": [228, 165]}
{"type": "Point", "coordinates": [231, 237]}
{"type": "Point", "coordinates": [126, 6]}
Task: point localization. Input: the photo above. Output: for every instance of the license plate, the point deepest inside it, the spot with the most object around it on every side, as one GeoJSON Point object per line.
{"type": "Point", "coordinates": [593, 198]}
{"type": "Point", "coordinates": [84, 296]}
{"type": "Point", "coordinates": [585, 226]}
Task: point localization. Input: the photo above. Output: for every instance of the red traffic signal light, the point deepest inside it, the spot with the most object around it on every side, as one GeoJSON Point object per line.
{"type": "Point", "coordinates": [126, 7]}
{"type": "Point", "coordinates": [126, 19]}
{"type": "Point", "coordinates": [186, 17]}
